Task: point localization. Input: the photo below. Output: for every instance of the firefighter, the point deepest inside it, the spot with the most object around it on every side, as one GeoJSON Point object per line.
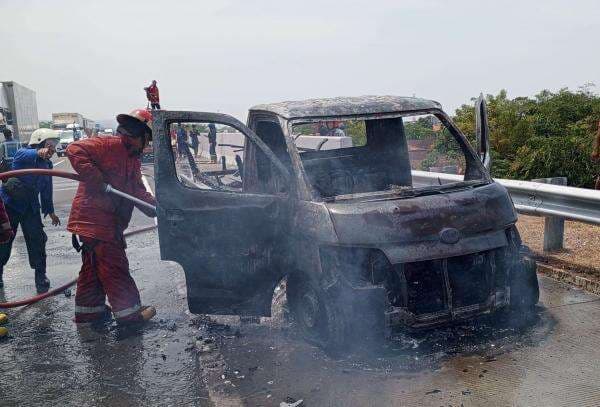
{"type": "Point", "coordinates": [6, 232]}
{"type": "Point", "coordinates": [22, 196]}
{"type": "Point", "coordinates": [98, 219]}
{"type": "Point", "coordinates": [152, 95]}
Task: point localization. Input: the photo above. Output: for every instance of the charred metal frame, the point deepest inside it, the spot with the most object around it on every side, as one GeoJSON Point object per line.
{"type": "Point", "coordinates": [474, 162]}
{"type": "Point", "coordinates": [405, 230]}
{"type": "Point", "coordinates": [400, 316]}
{"type": "Point", "coordinates": [207, 231]}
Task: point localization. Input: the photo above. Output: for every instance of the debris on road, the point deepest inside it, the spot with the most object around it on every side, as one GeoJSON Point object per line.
{"type": "Point", "coordinates": [291, 402]}
{"type": "Point", "coordinates": [434, 391]}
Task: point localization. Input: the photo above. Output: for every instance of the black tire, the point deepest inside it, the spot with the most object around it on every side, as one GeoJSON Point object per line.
{"type": "Point", "coordinates": [524, 286]}
{"type": "Point", "coordinates": [317, 316]}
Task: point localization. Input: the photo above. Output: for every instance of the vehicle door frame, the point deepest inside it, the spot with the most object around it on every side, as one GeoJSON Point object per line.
{"type": "Point", "coordinates": [176, 202]}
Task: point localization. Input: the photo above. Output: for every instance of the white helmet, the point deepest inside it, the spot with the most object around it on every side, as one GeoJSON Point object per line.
{"type": "Point", "coordinates": [40, 135]}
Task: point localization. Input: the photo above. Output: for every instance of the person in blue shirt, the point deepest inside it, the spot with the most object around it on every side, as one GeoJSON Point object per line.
{"type": "Point", "coordinates": [182, 142]}
{"type": "Point", "coordinates": [22, 196]}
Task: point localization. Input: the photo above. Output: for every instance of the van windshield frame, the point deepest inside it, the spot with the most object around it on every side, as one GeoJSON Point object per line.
{"type": "Point", "coordinates": [475, 173]}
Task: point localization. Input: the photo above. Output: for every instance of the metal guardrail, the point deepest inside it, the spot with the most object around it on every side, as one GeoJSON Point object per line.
{"type": "Point", "coordinates": [532, 198]}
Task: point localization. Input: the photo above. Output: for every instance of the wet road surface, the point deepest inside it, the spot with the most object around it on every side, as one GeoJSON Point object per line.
{"type": "Point", "coordinates": [549, 358]}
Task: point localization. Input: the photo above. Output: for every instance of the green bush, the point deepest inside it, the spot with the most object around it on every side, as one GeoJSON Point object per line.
{"type": "Point", "coordinates": [544, 157]}
{"type": "Point", "coordinates": [549, 135]}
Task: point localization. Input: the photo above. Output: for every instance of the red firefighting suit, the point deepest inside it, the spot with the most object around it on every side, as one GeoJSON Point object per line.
{"type": "Point", "coordinates": [6, 231]}
{"type": "Point", "coordinates": [153, 96]}
{"type": "Point", "coordinates": [99, 219]}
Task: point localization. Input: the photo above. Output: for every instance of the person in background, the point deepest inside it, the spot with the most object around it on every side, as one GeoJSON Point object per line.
{"type": "Point", "coordinates": [182, 141]}
{"type": "Point", "coordinates": [338, 130]}
{"type": "Point", "coordinates": [8, 138]}
{"type": "Point", "coordinates": [212, 141]}
{"type": "Point", "coordinates": [323, 130]}
{"type": "Point", "coordinates": [21, 196]}
{"type": "Point", "coordinates": [173, 134]}
{"type": "Point", "coordinates": [152, 95]}
{"type": "Point", "coordinates": [194, 139]}
{"type": "Point", "coordinates": [8, 148]}
{"type": "Point", "coordinates": [76, 132]}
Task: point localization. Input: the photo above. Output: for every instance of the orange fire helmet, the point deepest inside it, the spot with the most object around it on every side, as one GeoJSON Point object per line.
{"type": "Point", "coordinates": [142, 115]}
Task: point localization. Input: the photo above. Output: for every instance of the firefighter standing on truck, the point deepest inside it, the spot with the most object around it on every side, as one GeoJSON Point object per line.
{"type": "Point", "coordinates": [98, 219]}
{"type": "Point", "coordinates": [22, 195]}
{"type": "Point", "coordinates": [152, 95]}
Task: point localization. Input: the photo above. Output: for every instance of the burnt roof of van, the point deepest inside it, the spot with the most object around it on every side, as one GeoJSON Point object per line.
{"type": "Point", "coordinates": [346, 106]}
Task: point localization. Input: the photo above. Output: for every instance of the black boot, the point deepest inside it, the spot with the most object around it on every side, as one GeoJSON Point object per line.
{"type": "Point", "coordinates": [42, 284]}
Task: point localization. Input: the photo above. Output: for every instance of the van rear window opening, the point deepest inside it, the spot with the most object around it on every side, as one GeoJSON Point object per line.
{"type": "Point", "coordinates": [350, 156]}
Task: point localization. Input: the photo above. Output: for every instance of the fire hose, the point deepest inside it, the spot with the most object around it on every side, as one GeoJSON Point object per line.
{"type": "Point", "coordinates": [75, 177]}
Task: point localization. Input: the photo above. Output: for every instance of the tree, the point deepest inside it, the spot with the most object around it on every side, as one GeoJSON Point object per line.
{"type": "Point", "coordinates": [420, 129]}
{"type": "Point", "coordinates": [548, 135]}
{"type": "Point", "coordinates": [509, 122]}
{"type": "Point", "coordinates": [357, 130]}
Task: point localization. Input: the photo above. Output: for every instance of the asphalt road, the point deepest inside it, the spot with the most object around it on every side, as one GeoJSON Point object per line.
{"type": "Point", "coordinates": [549, 358]}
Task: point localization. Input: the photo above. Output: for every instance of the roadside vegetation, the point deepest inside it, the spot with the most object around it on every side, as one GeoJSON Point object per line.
{"type": "Point", "coordinates": [549, 135]}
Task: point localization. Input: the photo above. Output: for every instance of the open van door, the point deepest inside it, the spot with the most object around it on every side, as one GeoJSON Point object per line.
{"type": "Point", "coordinates": [482, 132]}
{"type": "Point", "coordinates": [226, 238]}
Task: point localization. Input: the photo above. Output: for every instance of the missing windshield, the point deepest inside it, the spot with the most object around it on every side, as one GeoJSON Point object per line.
{"type": "Point", "coordinates": [399, 155]}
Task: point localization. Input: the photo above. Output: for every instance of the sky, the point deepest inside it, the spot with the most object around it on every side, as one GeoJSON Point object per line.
{"type": "Point", "coordinates": [226, 56]}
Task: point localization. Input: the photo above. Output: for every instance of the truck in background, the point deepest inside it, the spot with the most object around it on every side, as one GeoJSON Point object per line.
{"type": "Point", "coordinates": [71, 127]}
{"type": "Point", "coordinates": [18, 110]}
{"type": "Point", "coordinates": [60, 121]}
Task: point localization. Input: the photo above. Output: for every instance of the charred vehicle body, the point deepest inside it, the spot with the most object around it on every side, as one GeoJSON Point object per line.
{"type": "Point", "coordinates": [354, 218]}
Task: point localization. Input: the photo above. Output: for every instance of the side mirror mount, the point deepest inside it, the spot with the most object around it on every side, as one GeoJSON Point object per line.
{"type": "Point", "coordinates": [482, 132]}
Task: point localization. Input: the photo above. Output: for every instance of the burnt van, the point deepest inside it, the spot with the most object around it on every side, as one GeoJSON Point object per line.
{"type": "Point", "coordinates": [375, 210]}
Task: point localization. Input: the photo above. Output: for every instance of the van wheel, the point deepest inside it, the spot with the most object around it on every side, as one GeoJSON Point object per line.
{"type": "Point", "coordinates": [524, 286]}
{"type": "Point", "coordinates": [316, 314]}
